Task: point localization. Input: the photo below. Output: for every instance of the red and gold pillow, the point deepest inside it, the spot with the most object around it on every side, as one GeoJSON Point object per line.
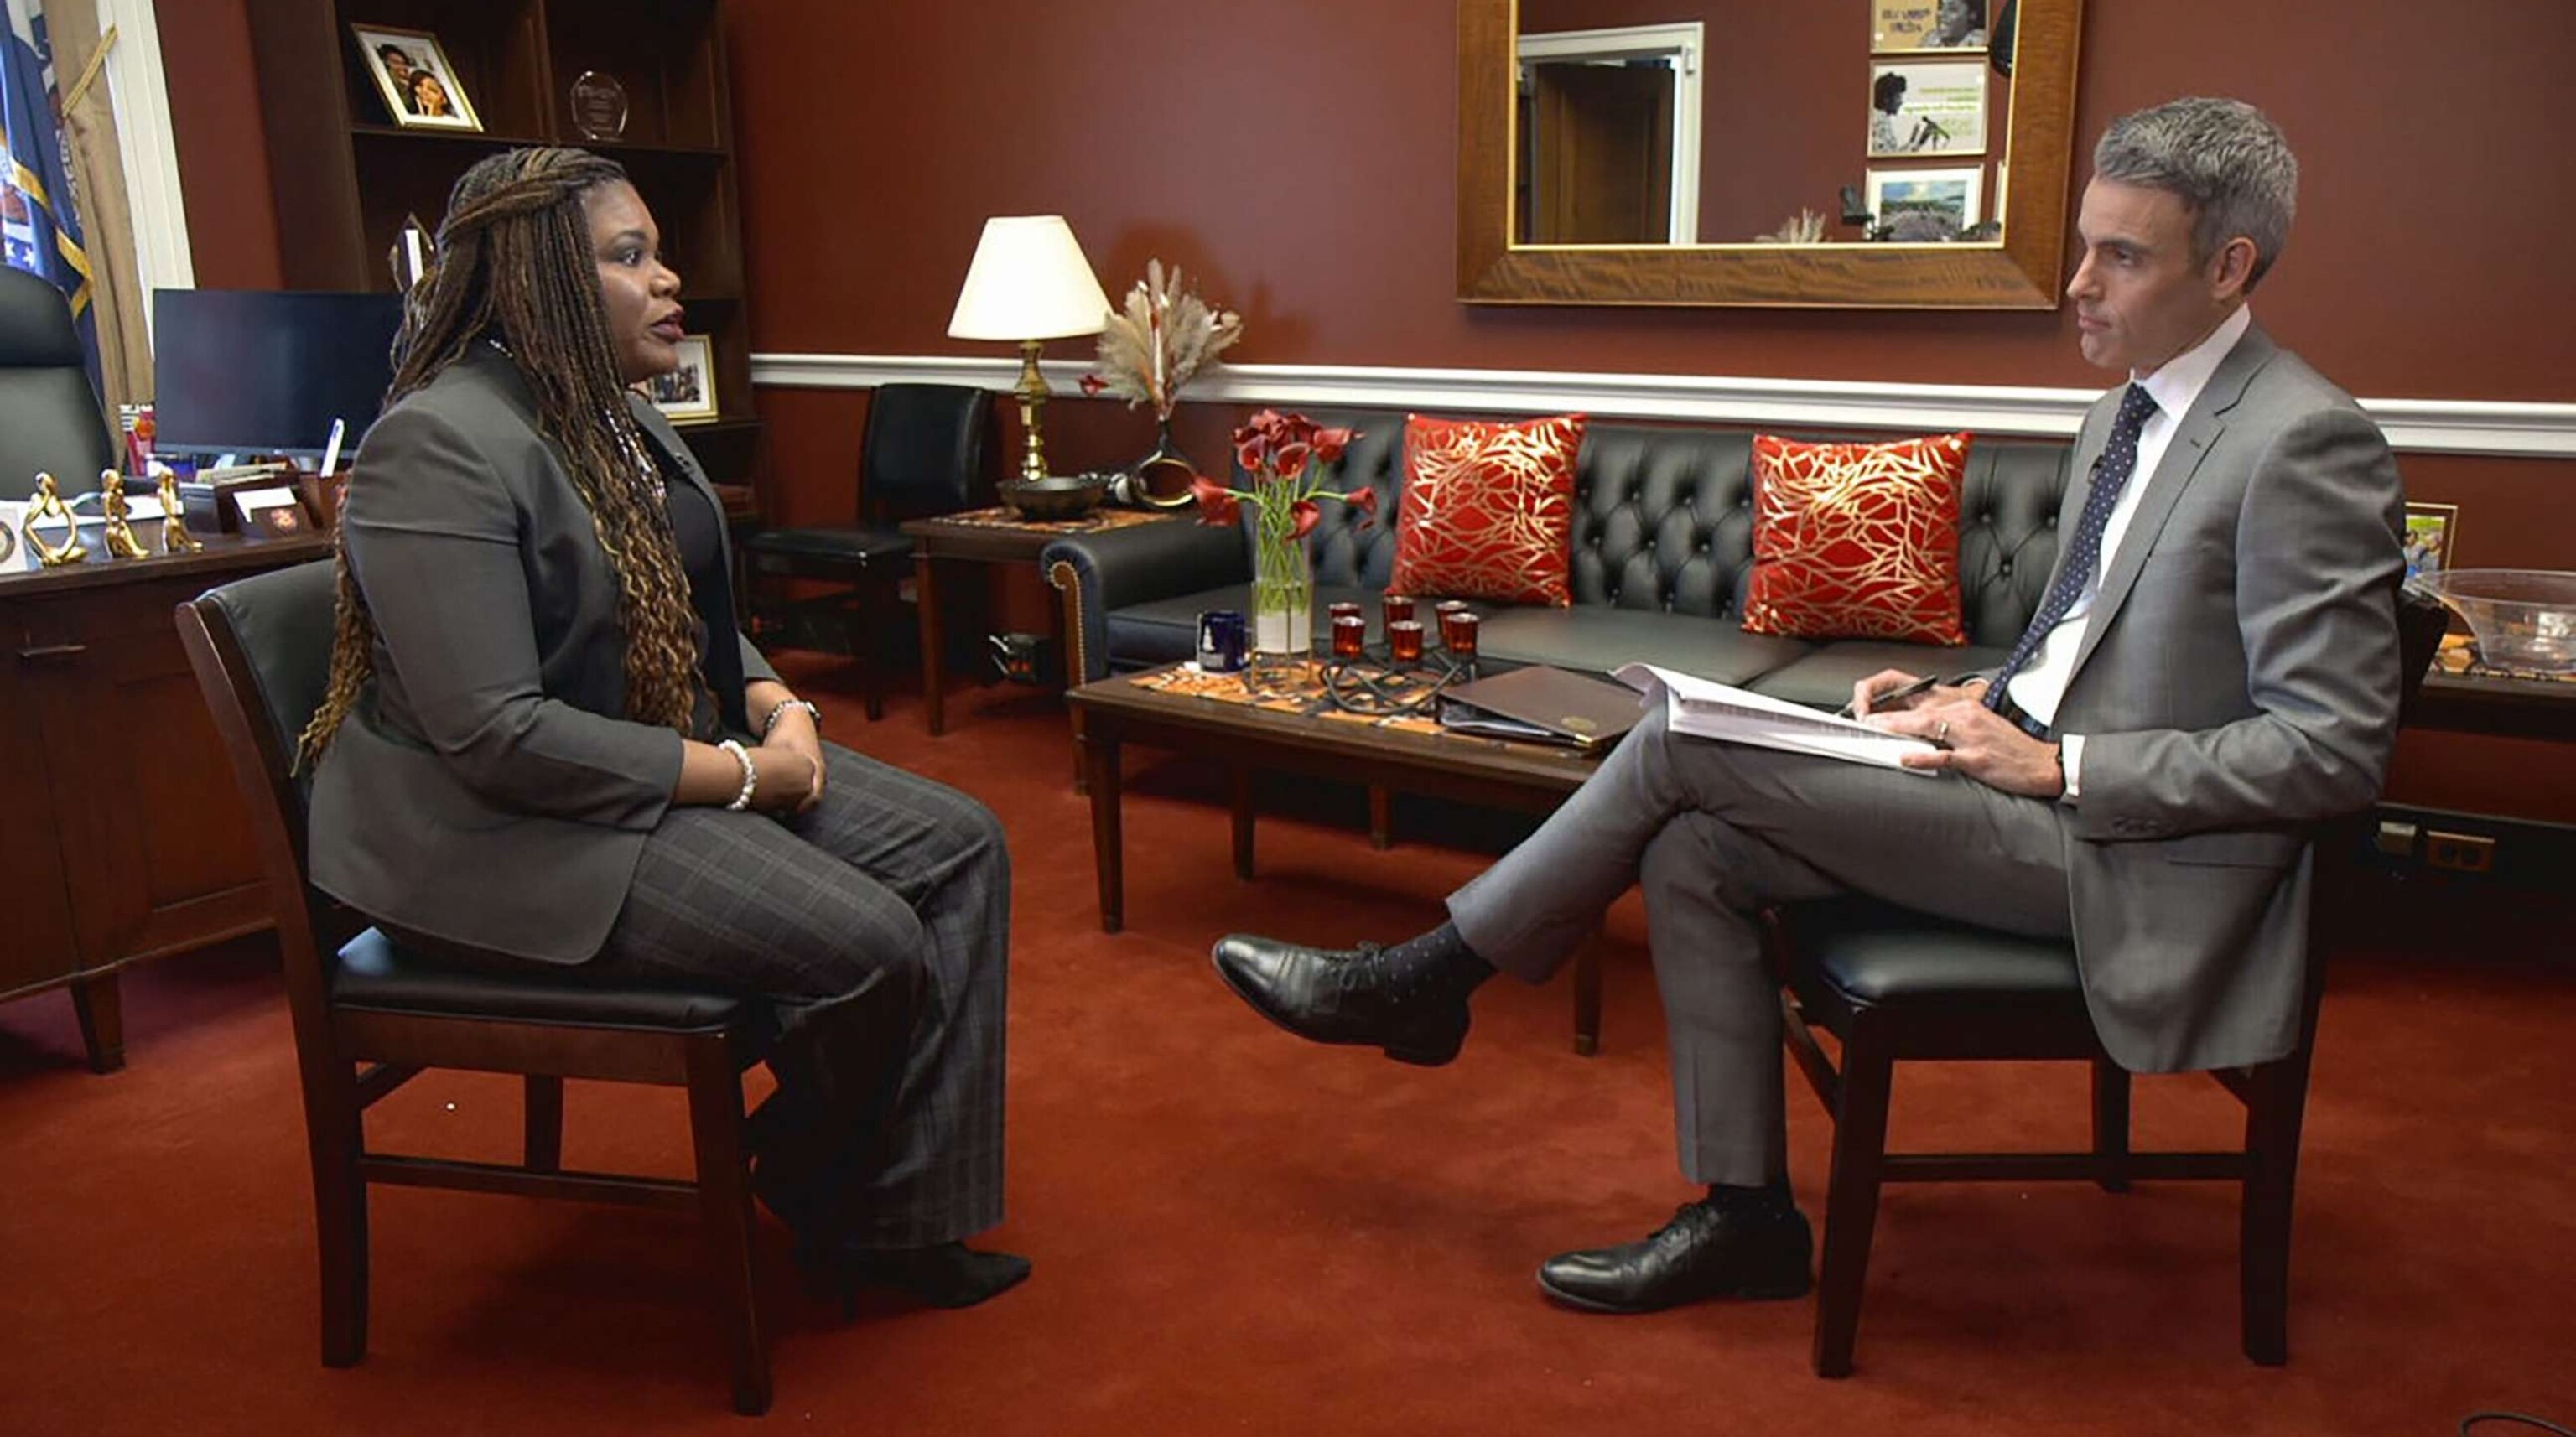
{"type": "Point", "coordinates": [1857, 540]}
{"type": "Point", "coordinates": [1488, 510]}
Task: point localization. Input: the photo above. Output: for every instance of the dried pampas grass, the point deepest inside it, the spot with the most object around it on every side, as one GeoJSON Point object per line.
{"type": "Point", "coordinates": [1158, 339]}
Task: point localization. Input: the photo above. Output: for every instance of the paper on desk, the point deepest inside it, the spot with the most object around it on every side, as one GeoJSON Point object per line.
{"type": "Point", "coordinates": [1732, 715]}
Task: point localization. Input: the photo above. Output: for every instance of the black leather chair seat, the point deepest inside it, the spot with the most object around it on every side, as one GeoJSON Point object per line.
{"type": "Point", "coordinates": [836, 546]}
{"type": "Point", "coordinates": [377, 973]}
{"type": "Point", "coordinates": [1871, 953]}
{"type": "Point", "coordinates": [1824, 678]}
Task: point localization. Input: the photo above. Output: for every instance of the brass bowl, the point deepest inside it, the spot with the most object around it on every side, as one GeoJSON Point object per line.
{"type": "Point", "coordinates": [1058, 496]}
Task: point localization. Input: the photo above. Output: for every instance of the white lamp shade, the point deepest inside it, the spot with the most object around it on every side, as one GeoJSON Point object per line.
{"type": "Point", "coordinates": [1029, 281]}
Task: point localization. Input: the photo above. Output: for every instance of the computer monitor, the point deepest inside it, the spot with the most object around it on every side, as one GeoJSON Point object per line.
{"type": "Point", "coordinates": [263, 371]}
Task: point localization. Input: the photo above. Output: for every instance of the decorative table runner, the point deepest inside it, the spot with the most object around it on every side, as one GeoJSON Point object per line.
{"type": "Point", "coordinates": [1004, 517]}
{"type": "Point", "coordinates": [1303, 693]}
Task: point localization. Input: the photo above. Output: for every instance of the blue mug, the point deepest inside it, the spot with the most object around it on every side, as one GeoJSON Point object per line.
{"type": "Point", "coordinates": [1222, 642]}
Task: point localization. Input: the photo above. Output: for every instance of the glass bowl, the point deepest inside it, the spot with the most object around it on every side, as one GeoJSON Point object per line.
{"type": "Point", "coordinates": [2522, 618]}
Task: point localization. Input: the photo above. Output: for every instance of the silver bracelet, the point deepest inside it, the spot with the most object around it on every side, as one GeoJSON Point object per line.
{"type": "Point", "coordinates": [750, 775]}
{"type": "Point", "coordinates": [783, 706]}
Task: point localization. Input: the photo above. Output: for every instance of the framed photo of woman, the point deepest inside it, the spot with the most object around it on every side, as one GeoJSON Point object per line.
{"type": "Point", "coordinates": [1935, 107]}
{"type": "Point", "coordinates": [415, 79]}
{"type": "Point", "coordinates": [687, 395]}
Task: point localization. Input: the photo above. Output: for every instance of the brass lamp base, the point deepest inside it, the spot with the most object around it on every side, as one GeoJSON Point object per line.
{"type": "Point", "coordinates": [1032, 393]}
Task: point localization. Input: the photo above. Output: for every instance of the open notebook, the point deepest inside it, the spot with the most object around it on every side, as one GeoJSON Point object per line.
{"type": "Point", "coordinates": [1720, 711]}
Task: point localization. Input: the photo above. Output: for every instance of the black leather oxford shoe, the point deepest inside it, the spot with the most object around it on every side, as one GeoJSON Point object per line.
{"type": "Point", "coordinates": [1346, 997]}
{"type": "Point", "coordinates": [1703, 1252]}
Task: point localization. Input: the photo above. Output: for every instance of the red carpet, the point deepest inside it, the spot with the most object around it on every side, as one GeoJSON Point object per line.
{"type": "Point", "coordinates": [1236, 1232]}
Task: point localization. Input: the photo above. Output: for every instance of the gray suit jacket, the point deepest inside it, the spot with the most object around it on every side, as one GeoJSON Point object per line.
{"type": "Point", "coordinates": [487, 788]}
{"type": "Point", "coordinates": [2238, 682]}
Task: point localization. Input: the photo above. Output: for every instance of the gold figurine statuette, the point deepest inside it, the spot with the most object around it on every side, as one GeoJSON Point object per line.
{"type": "Point", "coordinates": [175, 538]}
{"type": "Point", "coordinates": [48, 506]}
{"type": "Point", "coordinates": [120, 540]}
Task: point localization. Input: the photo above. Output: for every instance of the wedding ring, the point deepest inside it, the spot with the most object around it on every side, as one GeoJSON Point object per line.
{"type": "Point", "coordinates": [1941, 732]}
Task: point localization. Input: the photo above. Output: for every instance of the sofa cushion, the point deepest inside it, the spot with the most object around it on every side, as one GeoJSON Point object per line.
{"type": "Point", "coordinates": [1823, 677]}
{"type": "Point", "coordinates": [1488, 509]}
{"type": "Point", "coordinates": [1589, 638]}
{"type": "Point", "coordinates": [1857, 540]}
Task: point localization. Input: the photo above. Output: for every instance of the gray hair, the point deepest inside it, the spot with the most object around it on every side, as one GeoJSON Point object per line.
{"type": "Point", "coordinates": [2224, 159]}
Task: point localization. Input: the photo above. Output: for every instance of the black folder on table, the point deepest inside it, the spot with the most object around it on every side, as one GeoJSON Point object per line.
{"type": "Point", "coordinates": [1542, 705]}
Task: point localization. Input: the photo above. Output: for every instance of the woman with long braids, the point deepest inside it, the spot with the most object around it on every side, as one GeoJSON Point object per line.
{"type": "Point", "coordinates": [546, 746]}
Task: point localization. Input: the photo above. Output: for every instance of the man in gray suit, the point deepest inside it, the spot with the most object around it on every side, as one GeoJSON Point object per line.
{"type": "Point", "coordinates": [2214, 668]}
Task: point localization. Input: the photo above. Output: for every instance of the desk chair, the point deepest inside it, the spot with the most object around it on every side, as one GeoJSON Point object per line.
{"type": "Point", "coordinates": [1891, 984]}
{"type": "Point", "coordinates": [925, 452]}
{"type": "Point", "coordinates": [49, 416]}
{"type": "Point", "coordinates": [371, 1016]}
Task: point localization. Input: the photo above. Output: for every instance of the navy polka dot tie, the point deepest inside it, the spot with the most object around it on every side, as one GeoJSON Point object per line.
{"type": "Point", "coordinates": [2083, 552]}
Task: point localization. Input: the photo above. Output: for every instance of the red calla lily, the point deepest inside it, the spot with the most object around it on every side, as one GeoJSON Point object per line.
{"type": "Point", "coordinates": [1363, 499]}
{"type": "Point", "coordinates": [1307, 513]}
{"type": "Point", "coordinates": [1093, 385]}
{"type": "Point", "coordinates": [1329, 444]}
{"type": "Point", "coordinates": [1216, 504]}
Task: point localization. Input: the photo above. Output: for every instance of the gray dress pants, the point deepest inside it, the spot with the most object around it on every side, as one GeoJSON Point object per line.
{"type": "Point", "coordinates": [1715, 833]}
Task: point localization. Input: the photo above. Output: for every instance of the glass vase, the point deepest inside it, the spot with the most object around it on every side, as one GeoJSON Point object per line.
{"type": "Point", "coordinates": [1283, 588]}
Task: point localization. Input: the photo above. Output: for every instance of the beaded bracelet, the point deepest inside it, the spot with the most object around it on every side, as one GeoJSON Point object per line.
{"type": "Point", "coordinates": [782, 706]}
{"type": "Point", "coordinates": [750, 775]}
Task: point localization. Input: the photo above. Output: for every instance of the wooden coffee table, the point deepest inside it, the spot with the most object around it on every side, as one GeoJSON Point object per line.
{"type": "Point", "coordinates": [1490, 773]}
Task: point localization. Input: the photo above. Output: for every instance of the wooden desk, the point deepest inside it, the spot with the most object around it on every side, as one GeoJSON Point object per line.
{"type": "Point", "coordinates": [2511, 708]}
{"type": "Point", "coordinates": [987, 536]}
{"type": "Point", "coordinates": [122, 836]}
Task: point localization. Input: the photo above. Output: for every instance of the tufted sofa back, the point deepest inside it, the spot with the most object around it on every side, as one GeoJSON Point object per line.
{"type": "Point", "coordinates": [1663, 520]}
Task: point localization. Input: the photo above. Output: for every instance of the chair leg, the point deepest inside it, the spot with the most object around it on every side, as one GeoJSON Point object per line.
{"type": "Point", "coordinates": [1851, 1196]}
{"type": "Point", "coordinates": [100, 1007]}
{"type": "Point", "coordinates": [336, 1138]}
{"type": "Point", "coordinates": [544, 1124]}
{"type": "Point", "coordinates": [2110, 1125]}
{"type": "Point", "coordinates": [724, 1203]}
{"type": "Point", "coordinates": [2273, 1119]}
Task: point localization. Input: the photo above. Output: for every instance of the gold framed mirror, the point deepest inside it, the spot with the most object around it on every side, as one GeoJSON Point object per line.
{"type": "Point", "coordinates": [2020, 269]}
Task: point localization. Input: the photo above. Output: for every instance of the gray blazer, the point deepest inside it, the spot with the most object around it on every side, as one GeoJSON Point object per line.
{"type": "Point", "coordinates": [487, 788]}
{"type": "Point", "coordinates": [2239, 681]}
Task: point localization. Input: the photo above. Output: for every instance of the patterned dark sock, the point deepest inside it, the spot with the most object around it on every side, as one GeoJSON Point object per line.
{"type": "Point", "coordinates": [1439, 957]}
{"type": "Point", "coordinates": [1772, 1196]}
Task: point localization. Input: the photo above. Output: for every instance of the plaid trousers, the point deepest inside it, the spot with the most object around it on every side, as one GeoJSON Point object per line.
{"type": "Point", "coordinates": [878, 926]}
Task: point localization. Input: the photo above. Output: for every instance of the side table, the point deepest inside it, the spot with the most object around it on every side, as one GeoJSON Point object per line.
{"type": "Point", "coordinates": [987, 536]}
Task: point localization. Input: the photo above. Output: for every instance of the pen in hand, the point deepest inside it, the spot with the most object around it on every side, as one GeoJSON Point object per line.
{"type": "Point", "coordinates": [1894, 695]}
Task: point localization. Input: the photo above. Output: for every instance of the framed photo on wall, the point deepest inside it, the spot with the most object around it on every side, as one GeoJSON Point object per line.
{"type": "Point", "coordinates": [415, 79]}
{"type": "Point", "coordinates": [687, 395]}
{"type": "Point", "coordinates": [1935, 107]}
{"type": "Point", "coordinates": [1896, 26]}
{"type": "Point", "coordinates": [1933, 205]}
{"type": "Point", "coordinates": [2431, 530]}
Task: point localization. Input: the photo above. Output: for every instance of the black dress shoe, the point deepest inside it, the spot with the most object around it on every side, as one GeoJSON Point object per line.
{"type": "Point", "coordinates": [1704, 1252]}
{"type": "Point", "coordinates": [947, 1274]}
{"type": "Point", "coordinates": [1354, 996]}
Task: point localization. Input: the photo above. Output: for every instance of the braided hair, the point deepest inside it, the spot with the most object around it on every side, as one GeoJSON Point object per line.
{"type": "Point", "coordinates": [515, 265]}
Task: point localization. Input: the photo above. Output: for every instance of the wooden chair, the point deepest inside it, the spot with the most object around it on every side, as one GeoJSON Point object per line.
{"type": "Point", "coordinates": [370, 1016]}
{"type": "Point", "coordinates": [927, 451]}
{"type": "Point", "coordinates": [1892, 985]}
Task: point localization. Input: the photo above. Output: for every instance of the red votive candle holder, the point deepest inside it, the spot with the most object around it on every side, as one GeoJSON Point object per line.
{"type": "Point", "coordinates": [1458, 630]}
{"type": "Point", "coordinates": [1395, 609]}
{"type": "Point", "coordinates": [1350, 633]}
{"type": "Point", "coordinates": [1404, 640]}
{"type": "Point", "coordinates": [1344, 606]}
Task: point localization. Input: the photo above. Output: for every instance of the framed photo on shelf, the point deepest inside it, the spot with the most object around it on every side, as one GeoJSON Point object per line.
{"type": "Point", "coordinates": [1897, 26]}
{"type": "Point", "coordinates": [687, 395]}
{"type": "Point", "coordinates": [2431, 530]}
{"type": "Point", "coordinates": [1935, 107]}
{"type": "Point", "coordinates": [1934, 204]}
{"type": "Point", "coordinates": [415, 80]}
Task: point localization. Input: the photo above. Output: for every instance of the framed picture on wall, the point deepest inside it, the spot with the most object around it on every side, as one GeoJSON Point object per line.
{"type": "Point", "coordinates": [1926, 206]}
{"type": "Point", "coordinates": [687, 395]}
{"type": "Point", "coordinates": [415, 79]}
{"type": "Point", "coordinates": [1896, 26]}
{"type": "Point", "coordinates": [2431, 530]}
{"type": "Point", "coordinates": [1935, 107]}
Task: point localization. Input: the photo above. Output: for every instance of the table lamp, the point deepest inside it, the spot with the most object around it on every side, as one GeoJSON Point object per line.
{"type": "Point", "coordinates": [1028, 284]}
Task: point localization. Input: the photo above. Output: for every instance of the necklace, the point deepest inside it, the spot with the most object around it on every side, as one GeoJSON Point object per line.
{"type": "Point", "coordinates": [629, 438]}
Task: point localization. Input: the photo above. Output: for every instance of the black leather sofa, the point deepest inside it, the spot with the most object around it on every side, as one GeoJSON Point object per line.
{"type": "Point", "coordinates": [1662, 543]}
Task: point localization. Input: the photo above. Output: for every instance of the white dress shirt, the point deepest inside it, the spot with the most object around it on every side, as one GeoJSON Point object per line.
{"type": "Point", "coordinates": [2041, 685]}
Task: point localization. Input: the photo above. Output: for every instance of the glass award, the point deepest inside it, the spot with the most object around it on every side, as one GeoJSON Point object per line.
{"type": "Point", "coordinates": [599, 106]}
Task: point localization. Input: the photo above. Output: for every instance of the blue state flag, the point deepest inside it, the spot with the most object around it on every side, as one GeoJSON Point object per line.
{"type": "Point", "coordinates": [40, 228]}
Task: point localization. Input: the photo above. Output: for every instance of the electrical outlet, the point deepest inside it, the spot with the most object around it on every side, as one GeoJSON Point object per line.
{"type": "Point", "coordinates": [2464, 852]}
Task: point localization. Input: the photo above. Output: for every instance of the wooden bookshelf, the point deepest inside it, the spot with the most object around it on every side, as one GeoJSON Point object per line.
{"type": "Point", "coordinates": [345, 175]}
